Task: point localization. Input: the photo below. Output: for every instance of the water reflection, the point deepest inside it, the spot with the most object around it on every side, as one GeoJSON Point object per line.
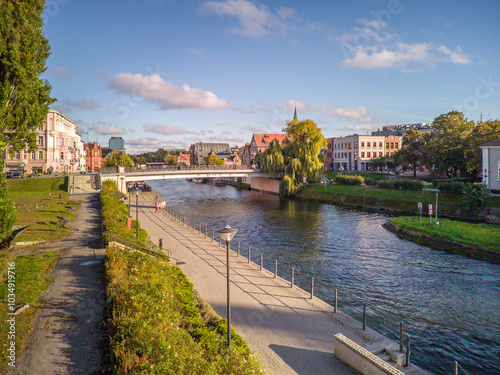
{"type": "Point", "coordinates": [449, 303]}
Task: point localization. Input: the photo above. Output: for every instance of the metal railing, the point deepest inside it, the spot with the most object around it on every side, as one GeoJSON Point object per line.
{"type": "Point", "coordinates": [153, 168]}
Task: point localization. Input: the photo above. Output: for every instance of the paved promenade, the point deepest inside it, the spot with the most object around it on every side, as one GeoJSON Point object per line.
{"type": "Point", "coordinates": [288, 331]}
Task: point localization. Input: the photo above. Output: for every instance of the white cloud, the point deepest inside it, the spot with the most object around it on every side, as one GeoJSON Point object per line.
{"type": "Point", "coordinates": [165, 129]}
{"type": "Point", "coordinates": [287, 13]}
{"type": "Point", "coordinates": [256, 20]}
{"type": "Point", "coordinates": [61, 108]}
{"type": "Point", "coordinates": [83, 103]}
{"type": "Point", "coordinates": [108, 130]}
{"type": "Point", "coordinates": [372, 46]}
{"type": "Point", "coordinates": [169, 96]}
{"type": "Point", "coordinates": [361, 127]}
{"type": "Point", "coordinates": [358, 114]}
{"type": "Point", "coordinates": [62, 72]}
{"type": "Point", "coordinates": [197, 52]}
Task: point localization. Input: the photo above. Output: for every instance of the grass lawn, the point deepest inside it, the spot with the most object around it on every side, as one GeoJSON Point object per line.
{"type": "Point", "coordinates": [479, 235]}
{"type": "Point", "coordinates": [30, 281]}
{"type": "Point", "coordinates": [38, 205]}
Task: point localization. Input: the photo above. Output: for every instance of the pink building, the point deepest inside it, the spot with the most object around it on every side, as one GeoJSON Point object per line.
{"type": "Point", "coordinates": [60, 149]}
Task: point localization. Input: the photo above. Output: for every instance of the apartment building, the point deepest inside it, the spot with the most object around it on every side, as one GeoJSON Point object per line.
{"type": "Point", "coordinates": [354, 152]}
{"type": "Point", "coordinates": [59, 149]}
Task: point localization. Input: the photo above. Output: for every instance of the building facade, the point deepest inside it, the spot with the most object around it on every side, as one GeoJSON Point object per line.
{"type": "Point", "coordinates": [329, 155]}
{"type": "Point", "coordinates": [59, 149]}
{"type": "Point", "coordinates": [199, 151]}
{"type": "Point", "coordinates": [392, 144]}
{"type": "Point", "coordinates": [491, 164]}
{"type": "Point", "coordinates": [184, 159]}
{"type": "Point", "coordinates": [116, 143]}
{"type": "Point", "coordinates": [94, 156]}
{"type": "Point", "coordinates": [354, 152]}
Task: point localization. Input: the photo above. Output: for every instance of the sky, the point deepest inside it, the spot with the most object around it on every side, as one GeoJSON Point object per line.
{"type": "Point", "coordinates": [170, 73]}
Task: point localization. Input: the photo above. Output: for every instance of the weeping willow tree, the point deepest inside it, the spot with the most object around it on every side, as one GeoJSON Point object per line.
{"type": "Point", "coordinates": [273, 160]}
{"type": "Point", "coordinates": [302, 154]}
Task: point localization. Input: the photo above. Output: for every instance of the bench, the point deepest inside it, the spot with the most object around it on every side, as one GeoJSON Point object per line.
{"type": "Point", "coordinates": [70, 209]}
{"type": "Point", "coordinates": [360, 358]}
{"type": "Point", "coordinates": [63, 222]}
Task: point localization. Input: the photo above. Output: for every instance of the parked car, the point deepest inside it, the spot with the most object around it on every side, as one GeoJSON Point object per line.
{"type": "Point", "coordinates": [17, 174]}
{"type": "Point", "coordinates": [8, 174]}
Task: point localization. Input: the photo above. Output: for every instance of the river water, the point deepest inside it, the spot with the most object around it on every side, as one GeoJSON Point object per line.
{"type": "Point", "coordinates": [450, 304]}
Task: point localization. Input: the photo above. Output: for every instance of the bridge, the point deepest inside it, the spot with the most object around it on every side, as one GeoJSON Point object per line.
{"type": "Point", "coordinates": [122, 175]}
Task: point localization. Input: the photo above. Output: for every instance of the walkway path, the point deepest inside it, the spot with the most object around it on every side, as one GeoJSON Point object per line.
{"type": "Point", "coordinates": [291, 333]}
{"type": "Point", "coordinates": [69, 336]}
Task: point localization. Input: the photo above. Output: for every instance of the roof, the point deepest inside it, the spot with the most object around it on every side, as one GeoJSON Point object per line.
{"type": "Point", "coordinates": [213, 147]}
{"type": "Point", "coordinates": [185, 157]}
{"type": "Point", "coordinates": [263, 140]}
{"type": "Point", "coordinates": [495, 142]}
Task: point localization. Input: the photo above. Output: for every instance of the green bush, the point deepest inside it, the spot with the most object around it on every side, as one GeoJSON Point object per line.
{"type": "Point", "coordinates": [451, 187]}
{"type": "Point", "coordinates": [344, 179]}
{"type": "Point", "coordinates": [371, 181]}
{"type": "Point", "coordinates": [386, 184]}
{"type": "Point", "coordinates": [407, 184]}
{"type": "Point", "coordinates": [476, 198]}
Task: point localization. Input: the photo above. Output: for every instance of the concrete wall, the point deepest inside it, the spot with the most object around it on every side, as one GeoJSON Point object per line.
{"type": "Point", "coordinates": [82, 183]}
{"type": "Point", "coordinates": [361, 359]}
{"type": "Point", "coordinates": [265, 185]}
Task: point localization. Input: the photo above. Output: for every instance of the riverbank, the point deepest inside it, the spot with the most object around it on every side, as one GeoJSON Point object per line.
{"type": "Point", "coordinates": [480, 241]}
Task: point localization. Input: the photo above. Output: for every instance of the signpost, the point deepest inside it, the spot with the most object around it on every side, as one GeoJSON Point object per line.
{"type": "Point", "coordinates": [420, 211]}
{"type": "Point", "coordinates": [430, 212]}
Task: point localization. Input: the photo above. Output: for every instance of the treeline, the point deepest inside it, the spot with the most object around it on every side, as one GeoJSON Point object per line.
{"type": "Point", "coordinates": [451, 149]}
{"type": "Point", "coordinates": [159, 156]}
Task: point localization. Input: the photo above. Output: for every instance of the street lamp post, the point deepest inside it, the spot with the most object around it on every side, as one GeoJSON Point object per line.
{"type": "Point", "coordinates": [129, 192]}
{"type": "Point", "coordinates": [137, 213]}
{"type": "Point", "coordinates": [227, 234]}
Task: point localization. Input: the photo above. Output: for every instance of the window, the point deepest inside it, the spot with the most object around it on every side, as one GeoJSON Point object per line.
{"type": "Point", "coordinates": [368, 154]}
{"type": "Point", "coordinates": [40, 155]}
{"type": "Point", "coordinates": [396, 145]}
{"type": "Point", "coordinates": [362, 144]}
{"type": "Point", "coordinates": [33, 155]}
{"type": "Point", "coordinates": [40, 141]}
{"type": "Point", "coordinates": [380, 144]}
{"type": "Point", "coordinates": [362, 154]}
{"type": "Point", "coordinates": [95, 161]}
{"type": "Point", "coordinates": [380, 154]}
{"type": "Point", "coordinates": [62, 155]}
{"type": "Point", "coordinates": [355, 144]}
{"type": "Point", "coordinates": [387, 145]}
{"type": "Point", "coordinates": [62, 142]}
{"type": "Point", "coordinates": [349, 146]}
{"type": "Point", "coordinates": [18, 155]}
{"type": "Point", "coordinates": [367, 144]}
{"type": "Point", "coordinates": [392, 145]}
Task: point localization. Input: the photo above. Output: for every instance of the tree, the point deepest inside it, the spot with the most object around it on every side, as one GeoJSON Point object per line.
{"type": "Point", "coordinates": [273, 160]}
{"type": "Point", "coordinates": [116, 159]}
{"type": "Point", "coordinates": [483, 132]}
{"type": "Point", "coordinates": [212, 159]}
{"type": "Point", "coordinates": [449, 145]}
{"type": "Point", "coordinates": [411, 154]}
{"type": "Point", "coordinates": [170, 159]}
{"type": "Point", "coordinates": [7, 210]}
{"type": "Point", "coordinates": [305, 146]}
{"type": "Point", "coordinates": [24, 96]}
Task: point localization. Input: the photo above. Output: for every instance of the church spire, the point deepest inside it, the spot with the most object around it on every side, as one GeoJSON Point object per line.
{"type": "Point", "coordinates": [295, 113]}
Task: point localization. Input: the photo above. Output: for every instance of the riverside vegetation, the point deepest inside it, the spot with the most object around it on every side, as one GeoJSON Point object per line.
{"type": "Point", "coordinates": [157, 323]}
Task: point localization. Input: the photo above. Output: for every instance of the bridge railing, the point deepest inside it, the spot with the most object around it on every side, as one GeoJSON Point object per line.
{"type": "Point", "coordinates": [153, 168]}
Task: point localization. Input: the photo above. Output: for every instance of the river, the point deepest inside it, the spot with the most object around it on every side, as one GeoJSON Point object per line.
{"type": "Point", "coordinates": [450, 304]}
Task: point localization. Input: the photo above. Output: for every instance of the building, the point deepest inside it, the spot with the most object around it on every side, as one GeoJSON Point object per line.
{"type": "Point", "coordinates": [354, 152]}
{"type": "Point", "coordinates": [116, 143]}
{"type": "Point", "coordinates": [401, 130]}
{"type": "Point", "coordinates": [94, 156]}
{"type": "Point", "coordinates": [329, 155]}
{"type": "Point", "coordinates": [261, 142]}
{"type": "Point", "coordinates": [392, 144]}
{"type": "Point", "coordinates": [59, 149]}
{"type": "Point", "coordinates": [246, 157]}
{"type": "Point", "coordinates": [232, 160]}
{"type": "Point", "coordinates": [199, 151]}
{"type": "Point", "coordinates": [184, 159]}
{"type": "Point", "coordinates": [491, 164]}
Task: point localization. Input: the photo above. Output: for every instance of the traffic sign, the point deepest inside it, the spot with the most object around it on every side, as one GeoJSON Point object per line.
{"type": "Point", "coordinates": [430, 208]}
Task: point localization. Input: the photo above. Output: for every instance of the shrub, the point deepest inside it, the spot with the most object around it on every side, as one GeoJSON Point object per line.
{"type": "Point", "coordinates": [476, 198]}
{"type": "Point", "coordinates": [386, 184]}
{"type": "Point", "coordinates": [406, 184]}
{"type": "Point", "coordinates": [451, 187]}
{"type": "Point", "coordinates": [349, 180]}
{"type": "Point", "coordinates": [371, 181]}
{"type": "Point", "coordinates": [110, 185]}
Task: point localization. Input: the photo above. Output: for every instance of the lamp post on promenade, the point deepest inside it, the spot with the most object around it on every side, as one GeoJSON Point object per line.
{"type": "Point", "coordinates": [227, 234]}
{"type": "Point", "coordinates": [129, 192]}
{"type": "Point", "coordinates": [137, 213]}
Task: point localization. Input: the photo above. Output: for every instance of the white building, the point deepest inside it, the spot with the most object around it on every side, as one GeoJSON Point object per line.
{"type": "Point", "coordinates": [354, 152]}
{"type": "Point", "coordinates": [60, 149]}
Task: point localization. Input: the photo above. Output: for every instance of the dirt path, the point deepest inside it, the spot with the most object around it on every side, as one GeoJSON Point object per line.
{"type": "Point", "coordinates": [68, 335]}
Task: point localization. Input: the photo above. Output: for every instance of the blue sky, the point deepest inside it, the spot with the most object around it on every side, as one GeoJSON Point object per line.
{"type": "Point", "coordinates": [169, 73]}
